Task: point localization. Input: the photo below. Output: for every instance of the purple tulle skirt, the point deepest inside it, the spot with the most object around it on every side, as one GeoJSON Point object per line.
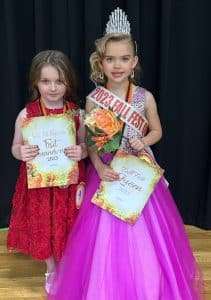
{"type": "Point", "coordinates": [108, 259]}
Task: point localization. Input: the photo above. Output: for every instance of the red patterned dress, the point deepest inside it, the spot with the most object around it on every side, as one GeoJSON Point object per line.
{"type": "Point", "coordinates": [42, 218]}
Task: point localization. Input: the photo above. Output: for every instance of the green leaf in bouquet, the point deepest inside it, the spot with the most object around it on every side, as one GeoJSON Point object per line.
{"type": "Point", "coordinates": [89, 140]}
{"type": "Point", "coordinates": [112, 144]}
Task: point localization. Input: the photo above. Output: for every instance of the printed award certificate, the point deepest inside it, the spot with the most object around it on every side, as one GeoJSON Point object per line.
{"type": "Point", "coordinates": [51, 167]}
{"type": "Point", "coordinates": [127, 197]}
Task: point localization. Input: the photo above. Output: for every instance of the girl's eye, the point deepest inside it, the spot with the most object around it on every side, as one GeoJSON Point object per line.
{"type": "Point", "coordinates": [125, 58]}
{"type": "Point", "coordinates": [109, 59]}
{"type": "Point", "coordinates": [59, 82]}
{"type": "Point", "coordinates": [45, 81]}
{"type": "Point", "coordinates": [48, 82]}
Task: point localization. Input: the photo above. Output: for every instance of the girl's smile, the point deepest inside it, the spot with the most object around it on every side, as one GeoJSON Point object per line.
{"type": "Point", "coordinates": [117, 74]}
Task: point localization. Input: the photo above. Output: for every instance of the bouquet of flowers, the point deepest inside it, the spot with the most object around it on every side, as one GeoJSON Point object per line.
{"type": "Point", "coordinates": [104, 130]}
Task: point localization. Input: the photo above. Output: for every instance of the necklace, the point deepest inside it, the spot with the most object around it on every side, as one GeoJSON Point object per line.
{"type": "Point", "coordinates": [43, 107]}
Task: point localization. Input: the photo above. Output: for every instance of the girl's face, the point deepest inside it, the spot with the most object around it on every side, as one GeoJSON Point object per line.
{"type": "Point", "coordinates": [51, 86]}
{"type": "Point", "coordinates": [118, 61]}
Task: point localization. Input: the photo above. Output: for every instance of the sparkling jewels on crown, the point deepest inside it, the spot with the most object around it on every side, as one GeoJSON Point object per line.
{"type": "Point", "coordinates": [118, 22]}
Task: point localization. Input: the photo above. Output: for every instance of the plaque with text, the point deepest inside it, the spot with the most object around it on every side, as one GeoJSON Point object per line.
{"type": "Point", "coordinates": [126, 197]}
{"type": "Point", "coordinates": [51, 167]}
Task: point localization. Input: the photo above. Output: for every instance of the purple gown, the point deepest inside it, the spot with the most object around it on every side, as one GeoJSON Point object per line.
{"type": "Point", "coordinates": [108, 259]}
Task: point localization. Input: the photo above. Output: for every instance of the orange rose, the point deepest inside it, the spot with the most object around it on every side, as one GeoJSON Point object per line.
{"type": "Point", "coordinates": [107, 122]}
{"type": "Point", "coordinates": [100, 141]}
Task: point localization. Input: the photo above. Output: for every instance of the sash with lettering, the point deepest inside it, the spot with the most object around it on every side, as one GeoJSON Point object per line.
{"type": "Point", "coordinates": [107, 100]}
{"type": "Point", "coordinates": [126, 197]}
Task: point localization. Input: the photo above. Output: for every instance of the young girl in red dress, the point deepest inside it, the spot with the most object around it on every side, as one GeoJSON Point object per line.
{"type": "Point", "coordinates": [42, 217]}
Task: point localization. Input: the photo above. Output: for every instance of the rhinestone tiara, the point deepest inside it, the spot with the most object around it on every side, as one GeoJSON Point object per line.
{"type": "Point", "coordinates": [118, 22]}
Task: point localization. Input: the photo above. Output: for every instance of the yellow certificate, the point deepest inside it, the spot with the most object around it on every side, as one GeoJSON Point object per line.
{"type": "Point", "coordinates": [127, 197]}
{"type": "Point", "coordinates": [52, 134]}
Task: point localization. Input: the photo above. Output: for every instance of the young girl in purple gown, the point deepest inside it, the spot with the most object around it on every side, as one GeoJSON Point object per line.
{"type": "Point", "coordinates": [107, 258]}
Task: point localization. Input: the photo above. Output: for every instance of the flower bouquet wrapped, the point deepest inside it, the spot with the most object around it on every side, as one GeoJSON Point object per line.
{"type": "Point", "coordinates": [104, 130]}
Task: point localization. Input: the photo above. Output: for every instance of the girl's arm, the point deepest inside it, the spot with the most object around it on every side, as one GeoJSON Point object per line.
{"type": "Point", "coordinates": [104, 171]}
{"type": "Point", "coordinates": [19, 150]}
{"type": "Point", "coordinates": [155, 130]}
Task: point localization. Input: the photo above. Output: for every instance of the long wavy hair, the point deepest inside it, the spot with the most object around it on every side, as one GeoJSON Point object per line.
{"type": "Point", "coordinates": [62, 64]}
{"type": "Point", "coordinates": [97, 56]}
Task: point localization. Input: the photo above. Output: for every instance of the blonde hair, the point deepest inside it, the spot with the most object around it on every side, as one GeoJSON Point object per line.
{"type": "Point", "coordinates": [97, 56]}
{"type": "Point", "coordinates": [61, 63]}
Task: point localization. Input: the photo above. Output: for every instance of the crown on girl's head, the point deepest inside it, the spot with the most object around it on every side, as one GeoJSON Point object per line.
{"type": "Point", "coordinates": [118, 22]}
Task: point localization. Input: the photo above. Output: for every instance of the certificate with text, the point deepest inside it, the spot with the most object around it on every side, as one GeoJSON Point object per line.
{"type": "Point", "coordinates": [51, 167]}
{"type": "Point", "coordinates": [126, 197]}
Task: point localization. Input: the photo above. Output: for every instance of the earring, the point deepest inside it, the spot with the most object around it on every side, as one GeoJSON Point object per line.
{"type": "Point", "coordinates": [132, 74]}
{"type": "Point", "coordinates": [101, 75]}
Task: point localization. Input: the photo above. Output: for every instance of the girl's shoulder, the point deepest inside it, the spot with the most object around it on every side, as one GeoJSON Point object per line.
{"type": "Point", "coordinates": [143, 98]}
{"type": "Point", "coordinates": [22, 114]}
{"type": "Point", "coordinates": [33, 108]}
{"type": "Point", "coordinates": [141, 90]}
{"type": "Point", "coordinates": [148, 96]}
